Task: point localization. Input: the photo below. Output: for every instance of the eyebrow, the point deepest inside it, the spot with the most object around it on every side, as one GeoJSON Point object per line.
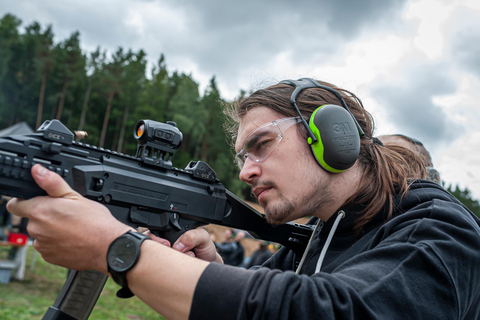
{"type": "Point", "coordinates": [254, 139]}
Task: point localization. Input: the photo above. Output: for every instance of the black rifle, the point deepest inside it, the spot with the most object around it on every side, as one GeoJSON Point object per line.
{"type": "Point", "coordinates": [142, 190]}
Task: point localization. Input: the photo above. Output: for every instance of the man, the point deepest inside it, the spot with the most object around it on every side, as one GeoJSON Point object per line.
{"type": "Point", "coordinates": [415, 146]}
{"type": "Point", "coordinates": [231, 250]}
{"type": "Point", "coordinates": [260, 255]}
{"type": "Point", "coordinates": [386, 247]}
{"type": "Point", "coordinates": [5, 219]}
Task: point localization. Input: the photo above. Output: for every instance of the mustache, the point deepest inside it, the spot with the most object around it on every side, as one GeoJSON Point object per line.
{"type": "Point", "coordinates": [262, 183]}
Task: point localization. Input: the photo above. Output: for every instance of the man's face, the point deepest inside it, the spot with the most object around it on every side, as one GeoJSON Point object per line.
{"type": "Point", "coordinates": [288, 183]}
{"type": "Point", "coordinates": [227, 234]}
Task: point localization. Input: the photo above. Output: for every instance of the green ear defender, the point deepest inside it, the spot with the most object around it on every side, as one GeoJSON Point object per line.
{"type": "Point", "coordinates": [334, 133]}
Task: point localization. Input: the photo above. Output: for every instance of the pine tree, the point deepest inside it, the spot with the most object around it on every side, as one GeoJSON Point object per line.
{"type": "Point", "coordinates": [465, 197]}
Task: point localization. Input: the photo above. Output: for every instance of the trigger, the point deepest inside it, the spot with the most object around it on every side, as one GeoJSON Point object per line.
{"type": "Point", "coordinates": [174, 218]}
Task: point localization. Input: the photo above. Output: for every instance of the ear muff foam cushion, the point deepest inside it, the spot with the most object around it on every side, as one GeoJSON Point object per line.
{"type": "Point", "coordinates": [338, 144]}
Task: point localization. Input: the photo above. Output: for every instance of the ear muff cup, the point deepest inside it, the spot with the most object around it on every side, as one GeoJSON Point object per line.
{"type": "Point", "coordinates": [338, 144]}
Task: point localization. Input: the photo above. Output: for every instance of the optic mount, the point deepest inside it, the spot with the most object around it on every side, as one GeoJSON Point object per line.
{"type": "Point", "coordinates": [157, 141]}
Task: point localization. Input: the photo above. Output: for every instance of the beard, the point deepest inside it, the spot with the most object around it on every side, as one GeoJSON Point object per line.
{"type": "Point", "coordinates": [280, 212]}
{"type": "Point", "coordinates": [284, 210]}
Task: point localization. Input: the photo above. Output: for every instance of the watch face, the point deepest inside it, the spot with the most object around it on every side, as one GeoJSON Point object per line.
{"type": "Point", "coordinates": [122, 254]}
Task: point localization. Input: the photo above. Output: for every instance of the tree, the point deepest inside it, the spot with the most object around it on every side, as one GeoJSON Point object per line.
{"type": "Point", "coordinates": [9, 38]}
{"type": "Point", "coordinates": [155, 97]}
{"type": "Point", "coordinates": [112, 79]}
{"type": "Point", "coordinates": [38, 76]}
{"type": "Point", "coordinates": [133, 83]}
{"type": "Point", "coordinates": [10, 66]}
{"type": "Point", "coordinates": [189, 116]}
{"type": "Point", "coordinates": [215, 149]}
{"type": "Point", "coordinates": [70, 63]}
{"type": "Point", "coordinates": [39, 46]}
{"type": "Point", "coordinates": [94, 65]}
{"type": "Point", "coordinates": [465, 197]}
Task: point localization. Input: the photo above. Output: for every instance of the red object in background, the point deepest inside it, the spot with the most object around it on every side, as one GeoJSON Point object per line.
{"type": "Point", "coordinates": [18, 238]}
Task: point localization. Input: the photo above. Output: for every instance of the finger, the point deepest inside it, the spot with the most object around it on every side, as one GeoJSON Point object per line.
{"type": "Point", "coordinates": [165, 242]}
{"type": "Point", "coordinates": [192, 239]}
{"type": "Point", "coordinates": [199, 243]}
{"type": "Point", "coordinates": [185, 242]}
{"type": "Point", "coordinates": [13, 206]}
{"type": "Point", "coordinates": [51, 182]}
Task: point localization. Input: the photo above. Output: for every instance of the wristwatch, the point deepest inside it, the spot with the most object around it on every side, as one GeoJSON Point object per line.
{"type": "Point", "coordinates": [123, 255]}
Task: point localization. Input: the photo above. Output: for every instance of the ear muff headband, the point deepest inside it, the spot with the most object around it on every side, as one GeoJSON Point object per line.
{"type": "Point", "coordinates": [338, 148]}
{"type": "Point", "coordinates": [306, 83]}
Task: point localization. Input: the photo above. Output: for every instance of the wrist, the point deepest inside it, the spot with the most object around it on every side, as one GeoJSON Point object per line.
{"type": "Point", "coordinates": [122, 256]}
{"type": "Point", "coordinates": [106, 242]}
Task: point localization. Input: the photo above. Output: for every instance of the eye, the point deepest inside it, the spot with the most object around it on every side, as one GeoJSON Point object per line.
{"type": "Point", "coordinates": [259, 144]}
{"type": "Point", "coordinates": [263, 145]}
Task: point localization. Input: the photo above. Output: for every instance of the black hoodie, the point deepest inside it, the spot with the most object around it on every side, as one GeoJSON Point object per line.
{"type": "Point", "coordinates": [424, 263]}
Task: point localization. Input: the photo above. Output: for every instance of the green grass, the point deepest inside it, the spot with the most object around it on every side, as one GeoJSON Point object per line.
{"type": "Point", "coordinates": [29, 299]}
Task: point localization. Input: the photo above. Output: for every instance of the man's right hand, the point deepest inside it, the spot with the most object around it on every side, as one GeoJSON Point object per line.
{"type": "Point", "coordinates": [69, 230]}
{"type": "Point", "coordinates": [195, 243]}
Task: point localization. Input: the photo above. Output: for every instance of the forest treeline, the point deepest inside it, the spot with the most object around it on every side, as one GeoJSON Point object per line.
{"type": "Point", "coordinates": [106, 95]}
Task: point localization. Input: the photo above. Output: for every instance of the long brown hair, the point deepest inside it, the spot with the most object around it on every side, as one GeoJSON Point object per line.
{"type": "Point", "coordinates": [386, 171]}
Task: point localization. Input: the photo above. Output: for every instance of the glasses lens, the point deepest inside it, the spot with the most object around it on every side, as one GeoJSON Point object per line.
{"type": "Point", "coordinates": [263, 140]}
{"type": "Point", "coordinates": [259, 143]}
{"type": "Point", "coordinates": [239, 161]}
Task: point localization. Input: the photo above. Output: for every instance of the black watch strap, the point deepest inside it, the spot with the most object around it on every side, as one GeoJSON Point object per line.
{"type": "Point", "coordinates": [121, 277]}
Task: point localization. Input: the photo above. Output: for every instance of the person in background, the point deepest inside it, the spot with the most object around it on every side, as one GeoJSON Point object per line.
{"type": "Point", "coordinates": [415, 146]}
{"type": "Point", "coordinates": [20, 253]}
{"type": "Point", "coordinates": [260, 255]}
{"type": "Point", "coordinates": [5, 219]}
{"type": "Point", "coordinates": [231, 250]}
{"type": "Point", "coordinates": [213, 237]}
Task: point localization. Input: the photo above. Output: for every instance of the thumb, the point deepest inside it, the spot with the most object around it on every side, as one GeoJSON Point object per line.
{"type": "Point", "coordinates": [51, 182]}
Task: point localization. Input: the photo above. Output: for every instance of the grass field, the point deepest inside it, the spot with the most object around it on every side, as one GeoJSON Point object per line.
{"type": "Point", "coordinates": [30, 298]}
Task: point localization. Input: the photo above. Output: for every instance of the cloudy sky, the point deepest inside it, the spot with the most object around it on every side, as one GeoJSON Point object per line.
{"type": "Point", "coordinates": [415, 64]}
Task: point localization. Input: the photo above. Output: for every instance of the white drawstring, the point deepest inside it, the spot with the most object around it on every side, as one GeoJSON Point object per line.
{"type": "Point", "coordinates": [341, 214]}
{"type": "Point", "coordinates": [308, 247]}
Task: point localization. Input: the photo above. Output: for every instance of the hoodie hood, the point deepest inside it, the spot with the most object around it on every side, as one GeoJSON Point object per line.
{"type": "Point", "coordinates": [420, 195]}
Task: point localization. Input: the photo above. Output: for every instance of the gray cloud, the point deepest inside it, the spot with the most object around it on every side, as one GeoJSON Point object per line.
{"type": "Point", "coordinates": [228, 36]}
{"type": "Point", "coordinates": [222, 38]}
{"type": "Point", "coordinates": [98, 26]}
{"type": "Point", "coordinates": [341, 17]}
{"type": "Point", "coordinates": [408, 102]}
{"type": "Point", "coordinates": [465, 40]}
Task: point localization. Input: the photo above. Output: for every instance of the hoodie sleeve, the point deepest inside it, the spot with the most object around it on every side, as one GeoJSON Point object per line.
{"type": "Point", "coordinates": [420, 265]}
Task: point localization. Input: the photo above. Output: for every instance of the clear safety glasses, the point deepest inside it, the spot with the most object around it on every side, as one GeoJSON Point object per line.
{"type": "Point", "coordinates": [261, 142]}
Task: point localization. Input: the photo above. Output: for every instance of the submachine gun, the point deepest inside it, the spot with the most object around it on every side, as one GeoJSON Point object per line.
{"type": "Point", "coordinates": [142, 190]}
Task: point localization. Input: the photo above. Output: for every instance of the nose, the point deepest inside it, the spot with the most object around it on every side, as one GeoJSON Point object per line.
{"type": "Point", "coordinates": [250, 171]}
